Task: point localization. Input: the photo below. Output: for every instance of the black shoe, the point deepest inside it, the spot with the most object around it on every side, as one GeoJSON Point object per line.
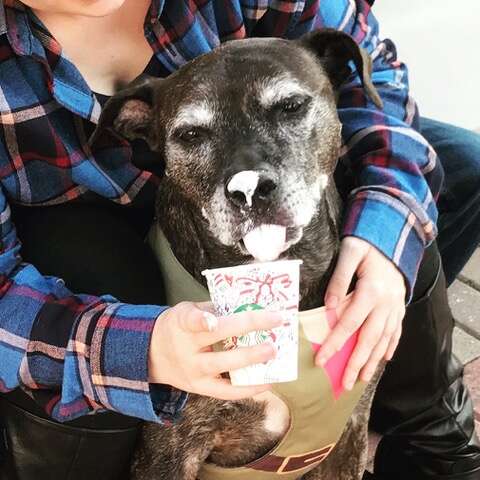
{"type": "Point", "coordinates": [422, 407]}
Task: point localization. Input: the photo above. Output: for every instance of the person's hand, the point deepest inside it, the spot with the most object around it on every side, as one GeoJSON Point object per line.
{"type": "Point", "coordinates": [181, 352]}
{"type": "Point", "coordinates": [377, 308]}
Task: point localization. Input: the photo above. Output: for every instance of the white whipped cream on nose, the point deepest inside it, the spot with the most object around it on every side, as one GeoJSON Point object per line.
{"type": "Point", "coordinates": [266, 242]}
{"type": "Point", "coordinates": [245, 182]}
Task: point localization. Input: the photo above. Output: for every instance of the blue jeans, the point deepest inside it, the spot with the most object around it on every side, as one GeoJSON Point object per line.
{"type": "Point", "coordinates": [459, 203]}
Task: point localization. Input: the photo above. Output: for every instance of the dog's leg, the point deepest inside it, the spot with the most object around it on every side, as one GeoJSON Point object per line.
{"type": "Point", "coordinates": [176, 452]}
{"type": "Point", "coordinates": [228, 434]}
{"type": "Point", "coordinates": [161, 456]}
{"type": "Point", "coordinates": [348, 459]}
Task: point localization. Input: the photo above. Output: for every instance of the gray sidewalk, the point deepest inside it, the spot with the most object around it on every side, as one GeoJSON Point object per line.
{"type": "Point", "coordinates": [464, 297]}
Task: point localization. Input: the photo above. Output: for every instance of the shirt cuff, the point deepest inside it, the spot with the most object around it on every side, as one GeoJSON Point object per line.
{"type": "Point", "coordinates": [119, 364]}
{"type": "Point", "coordinates": [389, 225]}
{"type": "Point", "coordinates": [167, 400]}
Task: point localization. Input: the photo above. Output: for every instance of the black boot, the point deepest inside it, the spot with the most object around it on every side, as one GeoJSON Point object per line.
{"type": "Point", "coordinates": [422, 407]}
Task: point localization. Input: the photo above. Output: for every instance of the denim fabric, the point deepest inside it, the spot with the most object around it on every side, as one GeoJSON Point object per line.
{"type": "Point", "coordinates": [459, 201]}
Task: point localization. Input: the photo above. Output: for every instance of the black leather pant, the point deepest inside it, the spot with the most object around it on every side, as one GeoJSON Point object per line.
{"type": "Point", "coordinates": [421, 406]}
{"type": "Point", "coordinates": [41, 449]}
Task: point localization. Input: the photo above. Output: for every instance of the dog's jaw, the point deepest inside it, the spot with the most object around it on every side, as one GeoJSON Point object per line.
{"type": "Point", "coordinates": [296, 204]}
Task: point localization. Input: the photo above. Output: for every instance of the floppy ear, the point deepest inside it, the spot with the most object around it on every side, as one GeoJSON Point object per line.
{"type": "Point", "coordinates": [335, 50]}
{"type": "Point", "coordinates": [129, 113]}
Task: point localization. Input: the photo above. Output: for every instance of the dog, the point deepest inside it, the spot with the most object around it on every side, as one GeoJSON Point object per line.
{"type": "Point", "coordinates": [250, 138]}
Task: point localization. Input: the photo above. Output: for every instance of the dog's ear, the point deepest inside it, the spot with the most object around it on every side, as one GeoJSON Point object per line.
{"type": "Point", "coordinates": [129, 113]}
{"type": "Point", "coordinates": [335, 50]}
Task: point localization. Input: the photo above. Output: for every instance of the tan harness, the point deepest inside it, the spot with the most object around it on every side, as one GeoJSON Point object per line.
{"type": "Point", "coordinates": [319, 408]}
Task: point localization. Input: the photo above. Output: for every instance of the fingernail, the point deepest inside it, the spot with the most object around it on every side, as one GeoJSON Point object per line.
{"type": "Point", "coordinates": [331, 301]}
{"type": "Point", "coordinates": [321, 362]}
{"type": "Point", "coordinates": [211, 320]}
{"type": "Point", "coordinates": [348, 384]}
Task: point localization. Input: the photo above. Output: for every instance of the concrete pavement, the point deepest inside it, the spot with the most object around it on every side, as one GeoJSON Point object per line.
{"type": "Point", "coordinates": [464, 297]}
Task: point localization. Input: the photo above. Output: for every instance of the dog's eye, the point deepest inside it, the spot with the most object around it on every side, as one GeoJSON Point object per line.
{"type": "Point", "coordinates": [292, 106]}
{"type": "Point", "coordinates": [189, 136]}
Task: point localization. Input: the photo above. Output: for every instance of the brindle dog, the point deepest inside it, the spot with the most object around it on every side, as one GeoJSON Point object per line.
{"type": "Point", "coordinates": [250, 137]}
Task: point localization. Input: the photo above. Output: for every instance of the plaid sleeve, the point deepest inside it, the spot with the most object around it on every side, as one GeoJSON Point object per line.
{"type": "Point", "coordinates": [76, 353]}
{"type": "Point", "coordinates": [396, 173]}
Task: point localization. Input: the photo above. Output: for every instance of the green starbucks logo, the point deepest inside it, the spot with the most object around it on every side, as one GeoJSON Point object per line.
{"type": "Point", "coordinates": [260, 336]}
{"type": "Point", "coordinates": [248, 307]}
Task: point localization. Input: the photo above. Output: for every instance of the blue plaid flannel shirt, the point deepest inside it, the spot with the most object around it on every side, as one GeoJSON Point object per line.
{"type": "Point", "coordinates": [97, 360]}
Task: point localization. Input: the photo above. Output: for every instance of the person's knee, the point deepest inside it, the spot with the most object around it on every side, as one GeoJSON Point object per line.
{"type": "Point", "coordinates": [458, 150]}
{"type": "Point", "coordinates": [449, 140]}
{"type": "Point", "coordinates": [464, 146]}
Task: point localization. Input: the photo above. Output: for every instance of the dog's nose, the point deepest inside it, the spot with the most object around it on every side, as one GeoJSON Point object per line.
{"type": "Point", "coordinates": [251, 187]}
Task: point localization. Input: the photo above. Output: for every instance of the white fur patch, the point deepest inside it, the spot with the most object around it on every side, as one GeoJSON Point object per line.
{"type": "Point", "coordinates": [197, 114]}
{"type": "Point", "coordinates": [323, 179]}
{"type": "Point", "coordinates": [245, 182]}
{"type": "Point", "coordinates": [277, 413]}
{"type": "Point", "coordinates": [276, 89]}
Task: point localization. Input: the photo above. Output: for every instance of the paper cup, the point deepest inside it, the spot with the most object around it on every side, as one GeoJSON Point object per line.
{"type": "Point", "coordinates": [271, 286]}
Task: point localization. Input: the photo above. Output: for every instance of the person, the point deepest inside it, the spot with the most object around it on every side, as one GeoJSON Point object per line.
{"type": "Point", "coordinates": [83, 328]}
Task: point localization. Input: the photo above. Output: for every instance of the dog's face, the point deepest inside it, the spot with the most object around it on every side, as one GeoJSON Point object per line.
{"type": "Point", "coordinates": [251, 139]}
{"type": "Point", "coordinates": [249, 134]}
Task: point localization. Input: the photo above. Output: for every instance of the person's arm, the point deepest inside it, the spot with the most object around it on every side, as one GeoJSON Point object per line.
{"type": "Point", "coordinates": [396, 172]}
{"type": "Point", "coordinates": [85, 353]}
{"type": "Point", "coordinates": [390, 214]}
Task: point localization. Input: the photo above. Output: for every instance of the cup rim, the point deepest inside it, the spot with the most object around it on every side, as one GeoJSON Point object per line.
{"type": "Point", "coordinates": [245, 266]}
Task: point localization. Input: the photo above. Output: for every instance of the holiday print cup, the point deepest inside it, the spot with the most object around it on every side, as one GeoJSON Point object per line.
{"type": "Point", "coordinates": [271, 286]}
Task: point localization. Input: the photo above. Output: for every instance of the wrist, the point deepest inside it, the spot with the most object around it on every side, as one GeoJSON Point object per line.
{"type": "Point", "coordinates": [154, 353]}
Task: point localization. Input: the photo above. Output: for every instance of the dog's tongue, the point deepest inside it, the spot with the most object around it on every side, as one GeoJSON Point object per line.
{"type": "Point", "coordinates": [266, 242]}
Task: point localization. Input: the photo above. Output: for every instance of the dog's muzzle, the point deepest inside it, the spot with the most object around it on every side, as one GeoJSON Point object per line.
{"type": "Point", "coordinates": [247, 189]}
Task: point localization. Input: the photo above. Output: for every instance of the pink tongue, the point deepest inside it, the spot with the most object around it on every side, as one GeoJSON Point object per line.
{"type": "Point", "coordinates": [266, 242]}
